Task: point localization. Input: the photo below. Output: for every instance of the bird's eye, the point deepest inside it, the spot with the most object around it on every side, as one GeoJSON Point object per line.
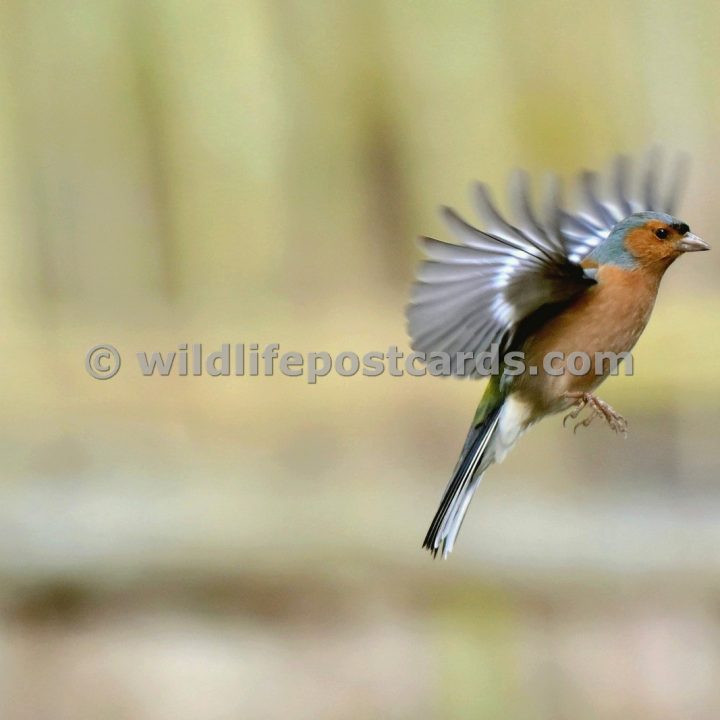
{"type": "Point", "coordinates": [662, 233]}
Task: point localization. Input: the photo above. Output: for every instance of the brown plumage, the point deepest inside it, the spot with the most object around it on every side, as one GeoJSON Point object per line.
{"type": "Point", "coordinates": [608, 318]}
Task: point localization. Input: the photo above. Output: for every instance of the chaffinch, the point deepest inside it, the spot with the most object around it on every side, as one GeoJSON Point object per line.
{"type": "Point", "coordinates": [576, 282]}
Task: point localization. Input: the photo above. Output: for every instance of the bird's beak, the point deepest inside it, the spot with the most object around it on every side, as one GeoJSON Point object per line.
{"type": "Point", "coordinates": [691, 243]}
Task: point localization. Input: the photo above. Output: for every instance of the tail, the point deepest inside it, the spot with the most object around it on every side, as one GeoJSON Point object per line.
{"type": "Point", "coordinates": [476, 457]}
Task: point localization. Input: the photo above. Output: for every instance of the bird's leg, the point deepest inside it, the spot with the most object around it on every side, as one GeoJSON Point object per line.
{"type": "Point", "coordinates": [599, 408]}
{"type": "Point", "coordinates": [582, 401]}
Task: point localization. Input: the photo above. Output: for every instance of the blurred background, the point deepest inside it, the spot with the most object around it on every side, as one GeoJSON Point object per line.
{"type": "Point", "coordinates": [221, 547]}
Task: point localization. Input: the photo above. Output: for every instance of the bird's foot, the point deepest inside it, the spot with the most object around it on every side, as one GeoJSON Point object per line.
{"type": "Point", "coordinates": [598, 408]}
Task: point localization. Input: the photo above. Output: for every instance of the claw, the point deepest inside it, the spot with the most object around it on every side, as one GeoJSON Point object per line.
{"type": "Point", "coordinates": [599, 408]}
{"type": "Point", "coordinates": [582, 402]}
{"type": "Point", "coordinates": [586, 422]}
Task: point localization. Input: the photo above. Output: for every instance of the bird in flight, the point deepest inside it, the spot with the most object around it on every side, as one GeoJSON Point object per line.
{"type": "Point", "coordinates": [574, 282]}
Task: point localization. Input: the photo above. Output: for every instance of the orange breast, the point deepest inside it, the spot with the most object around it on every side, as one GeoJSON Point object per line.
{"type": "Point", "coordinates": [608, 318]}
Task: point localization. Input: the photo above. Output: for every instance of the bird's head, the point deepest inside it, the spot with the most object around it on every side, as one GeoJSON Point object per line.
{"type": "Point", "coordinates": [647, 239]}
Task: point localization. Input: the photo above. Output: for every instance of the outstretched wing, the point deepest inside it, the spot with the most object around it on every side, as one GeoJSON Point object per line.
{"type": "Point", "coordinates": [472, 295]}
{"type": "Point", "coordinates": [625, 193]}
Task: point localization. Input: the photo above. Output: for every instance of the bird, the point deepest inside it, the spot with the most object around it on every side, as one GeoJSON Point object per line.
{"type": "Point", "coordinates": [547, 284]}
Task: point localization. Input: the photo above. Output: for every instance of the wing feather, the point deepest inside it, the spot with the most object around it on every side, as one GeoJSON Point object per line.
{"type": "Point", "coordinates": [600, 209]}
